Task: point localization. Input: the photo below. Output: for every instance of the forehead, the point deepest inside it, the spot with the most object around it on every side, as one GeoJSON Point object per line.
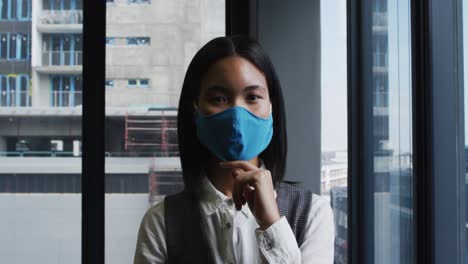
{"type": "Point", "coordinates": [233, 73]}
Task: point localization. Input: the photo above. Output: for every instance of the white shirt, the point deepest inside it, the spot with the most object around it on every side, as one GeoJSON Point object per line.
{"type": "Point", "coordinates": [235, 237]}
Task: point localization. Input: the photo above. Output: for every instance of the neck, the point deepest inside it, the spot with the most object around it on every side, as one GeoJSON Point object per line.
{"type": "Point", "coordinates": [222, 178]}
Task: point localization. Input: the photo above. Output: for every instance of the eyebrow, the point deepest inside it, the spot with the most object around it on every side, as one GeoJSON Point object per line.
{"type": "Point", "coordinates": [224, 89]}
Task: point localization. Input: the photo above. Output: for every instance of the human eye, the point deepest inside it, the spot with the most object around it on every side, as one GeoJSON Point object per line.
{"type": "Point", "coordinates": [253, 97]}
{"type": "Point", "coordinates": [219, 99]}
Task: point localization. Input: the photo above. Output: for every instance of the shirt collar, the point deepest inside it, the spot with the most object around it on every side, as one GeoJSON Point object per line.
{"type": "Point", "coordinates": [212, 199]}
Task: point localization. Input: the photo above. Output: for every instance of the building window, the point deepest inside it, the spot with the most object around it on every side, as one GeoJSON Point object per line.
{"type": "Point", "coordinates": [25, 10]}
{"type": "Point", "coordinates": [15, 10]}
{"type": "Point", "coordinates": [15, 90]}
{"type": "Point", "coordinates": [138, 41]}
{"type": "Point", "coordinates": [129, 41]}
{"type": "Point", "coordinates": [132, 83]}
{"type": "Point", "coordinates": [3, 46]}
{"type": "Point", "coordinates": [12, 47]}
{"type": "Point", "coordinates": [62, 49]}
{"type": "Point", "coordinates": [66, 91]}
{"type": "Point", "coordinates": [62, 4]}
{"type": "Point", "coordinates": [138, 83]}
{"type": "Point", "coordinates": [139, 1]}
{"type": "Point", "coordinates": [4, 11]}
{"type": "Point", "coordinates": [24, 46]}
{"type": "Point", "coordinates": [15, 46]}
{"type": "Point", "coordinates": [110, 41]}
{"type": "Point", "coordinates": [109, 83]}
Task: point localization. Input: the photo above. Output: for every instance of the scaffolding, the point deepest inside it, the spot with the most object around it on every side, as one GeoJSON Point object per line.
{"type": "Point", "coordinates": [153, 136]}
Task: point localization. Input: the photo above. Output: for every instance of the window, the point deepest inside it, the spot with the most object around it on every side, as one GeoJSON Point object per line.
{"type": "Point", "coordinates": [464, 21]}
{"type": "Point", "coordinates": [136, 131]}
{"type": "Point", "coordinates": [392, 107]}
{"type": "Point", "coordinates": [138, 41]}
{"type": "Point", "coordinates": [109, 83]}
{"type": "Point", "coordinates": [12, 46]}
{"type": "Point", "coordinates": [62, 4]}
{"type": "Point", "coordinates": [62, 49]}
{"type": "Point", "coordinates": [334, 143]}
{"type": "Point", "coordinates": [24, 46]}
{"type": "Point", "coordinates": [14, 90]}
{"type": "Point", "coordinates": [4, 92]}
{"type": "Point", "coordinates": [129, 41]}
{"type": "Point", "coordinates": [66, 91]}
{"type": "Point", "coordinates": [25, 10]}
{"type": "Point", "coordinates": [144, 82]}
{"type": "Point", "coordinates": [3, 46]}
{"type": "Point", "coordinates": [140, 83]}
{"type": "Point", "coordinates": [139, 1]}
{"type": "Point", "coordinates": [132, 83]}
{"type": "Point", "coordinates": [109, 41]}
{"type": "Point", "coordinates": [15, 10]}
{"type": "Point", "coordinates": [4, 10]}
{"type": "Point", "coordinates": [15, 46]}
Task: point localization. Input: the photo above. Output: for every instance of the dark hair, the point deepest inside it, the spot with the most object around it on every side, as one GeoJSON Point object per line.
{"type": "Point", "coordinates": [193, 154]}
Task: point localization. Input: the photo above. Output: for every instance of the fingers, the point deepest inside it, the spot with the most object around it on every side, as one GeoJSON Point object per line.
{"type": "Point", "coordinates": [238, 197]}
{"type": "Point", "coordinates": [244, 187]}
{"type": "Point", "coordinates": [236, 172]}
{"type": "Point", "coordinates": [239, 164]}
{"type": "Point", "coordinates": [249, 196]}
{"type": "Point", "coordinates": [256, 189]}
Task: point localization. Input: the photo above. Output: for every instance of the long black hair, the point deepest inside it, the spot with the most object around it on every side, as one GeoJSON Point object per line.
{"type": "Point", "coordinates": [193, 155]}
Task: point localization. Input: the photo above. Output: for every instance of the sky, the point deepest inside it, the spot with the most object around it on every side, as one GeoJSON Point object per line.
{"type": "Point", "coordinates": [334, 76]}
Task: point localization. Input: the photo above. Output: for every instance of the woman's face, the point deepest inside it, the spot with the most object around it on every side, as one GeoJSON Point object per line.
{"type": "Point", "coordinates": [234, 81]}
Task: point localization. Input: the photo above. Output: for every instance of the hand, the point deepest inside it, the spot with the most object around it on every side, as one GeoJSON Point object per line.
{"type": "Point", "coordinates": [254, 186]}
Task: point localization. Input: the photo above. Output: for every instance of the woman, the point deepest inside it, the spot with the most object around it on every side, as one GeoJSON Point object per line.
{"type": "Point", "coordinates": [235, 208]}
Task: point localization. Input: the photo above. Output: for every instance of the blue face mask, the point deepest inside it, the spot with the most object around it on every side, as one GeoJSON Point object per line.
{"type": "Point", "coordinates": [234, 134]}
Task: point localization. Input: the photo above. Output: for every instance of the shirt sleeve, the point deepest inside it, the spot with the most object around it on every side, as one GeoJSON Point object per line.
{"type": "Point", "coordinates": [278, 244]}
{"type": "Point", "coordinates": [151, 242]}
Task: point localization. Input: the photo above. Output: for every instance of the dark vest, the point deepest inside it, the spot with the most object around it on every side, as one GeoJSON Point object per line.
{"type": "Point", "coordinates": [185, 240]}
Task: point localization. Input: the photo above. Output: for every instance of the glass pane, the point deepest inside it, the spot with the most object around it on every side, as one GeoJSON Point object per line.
{"type": "Point", "coordinates": [4, 9]}
{"type": "Point", "coordinates": [393, 218]}
{"type": "Point", "coordinates": [3, 46]}
{"type": "Point", "coordinates": [13, 6]}
{"type": "Point", "coordinates": [13, 41]}
{"type": "Point", "coordinates": [40, 163]}
{"type": "Point", "coordinates": [67, 50]}
{"type": "Point", "coordinates": [66, 93]}
{"type": "Point", "coordinates": [334, 162]}
{"type": "Point", "coordinates": [465, 78]}
{"type": "Point", "coordinates": [3, 91]}
{"type": "Point", "coordinates": [24, 46]}
{"type": "Point", "coordinates": [79, 4]}
{"type": "Point", "coordinates": [148, 46]}
{"type": "Point", "coordinates": [25, 8]}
